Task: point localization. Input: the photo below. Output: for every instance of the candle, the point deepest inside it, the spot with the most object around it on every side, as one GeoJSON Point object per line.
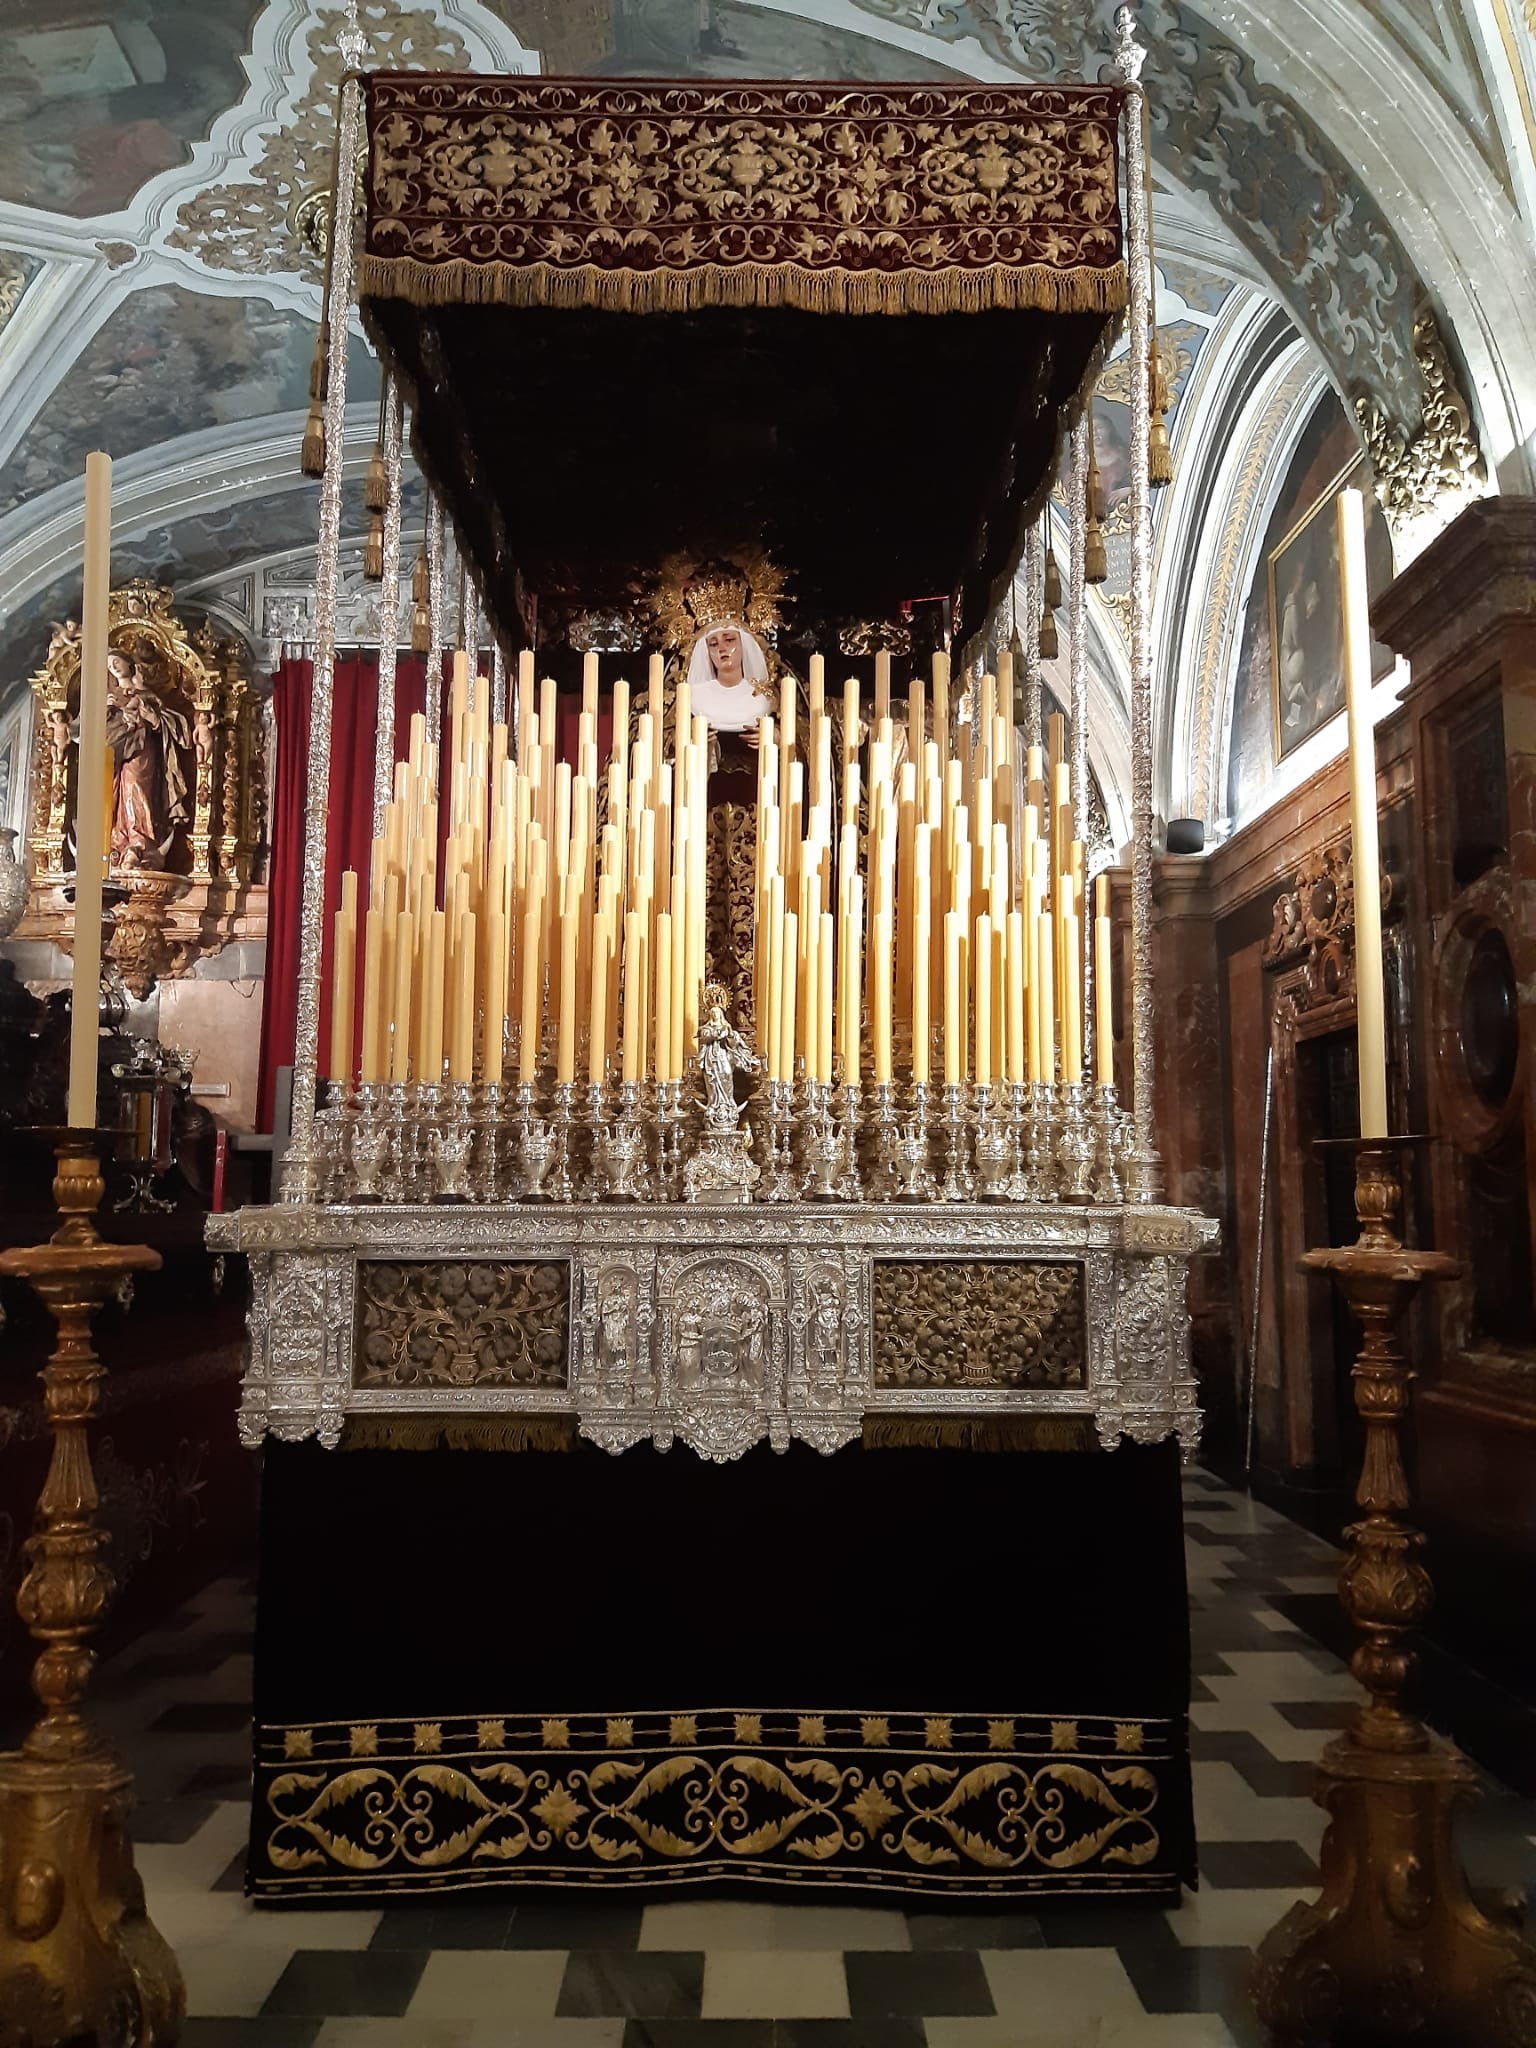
{"type": "Point", "coordinates": [852, 994]}
{"type": "Point", "coordinates": [1370, 992]}
{"type": "Point", "coordinates": [664, 1070]}
{"type": "Point", "coordinates": [954, 998]}
{"type": "Point", "coordinates": [220, 1167]}
{"type": "Point", "coordinates": [921, 972]}
{"type": "Point", "coordinates": [432, 1003]}
{"type": "Point", "coordinates": [1045, 980]}
{"type": "Point", "coordinates": [634, 938]}
{"type": "Point", "coordinates": [882, 687]}
{"type": "Point", "coordinates": [824, 997]}
{"type": "Point", "coordinates": [597, 1028]}
{"type": "Point", "coordinates": [565, 1039]}
{"type": "Point", "coordinates": [778, 1065]}
{"type": "Point", "coordinates": [983, 1007]}
{"type": "Point", "coordinates": [344, 981]}
{"type": "Point", "coordinates": [373, 1009]}
{"type": "Point", "coordinates": [1071, 1000]}
{"type": "Point", "coordinates": [90, 799]}
{"type": "Point", "coordinates": [528, 1040]}
{"type": "Point", "coordinates": [1016, 1055]}
{"type": "Point", "coordinates": [495, 994]}
{"type": "Point", "coordinates": [880, 994]}
{"type": "Point", "coordinates": [1103, 964]}
{"type": "Point", "coordinates": [405, 969]}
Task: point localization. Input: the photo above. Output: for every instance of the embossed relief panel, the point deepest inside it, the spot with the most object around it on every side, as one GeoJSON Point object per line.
{"type": "Point", "coordinates": [979, 1323]}
{"type": "Point", "coordinates": [462, 1323]}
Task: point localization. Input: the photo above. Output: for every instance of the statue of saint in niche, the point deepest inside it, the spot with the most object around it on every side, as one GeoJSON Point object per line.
{"type": "Point", "coordinates": [150, 794]}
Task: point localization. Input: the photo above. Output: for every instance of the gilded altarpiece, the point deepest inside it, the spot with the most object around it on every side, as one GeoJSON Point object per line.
{"type": "Point", "coordinates": [185, 860]}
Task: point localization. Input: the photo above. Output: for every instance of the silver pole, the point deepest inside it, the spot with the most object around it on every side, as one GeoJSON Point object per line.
{"type": "Point", "coordinates": [389, 606]}
{"type": "Point", "coordinates": [1145, 1176]}
{"type": "Point", "coordinates": [300, 1173]}
{"type": "Point", "coordinates": [1034, 571]}
{"type": "Point", "coordinates": [435, 578]}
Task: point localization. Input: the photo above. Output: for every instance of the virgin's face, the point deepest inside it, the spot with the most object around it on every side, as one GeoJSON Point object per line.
{"type": "Point", "coordinates": [724, 645]}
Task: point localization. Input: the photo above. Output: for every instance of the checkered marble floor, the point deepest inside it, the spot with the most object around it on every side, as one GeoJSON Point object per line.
{"type": "Point", "coordinates": [726, 1973]}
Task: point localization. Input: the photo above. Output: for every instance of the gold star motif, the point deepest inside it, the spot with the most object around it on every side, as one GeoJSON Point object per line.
{"type": "Point", "coordinates": [621, 1734]}
{"type": "Point", "coordinates": [938, 1732]}
{"type": "Point", "coordinates": [871, 1808]}
{"type": "Point", "coordinates": [427, 1737]}
{"type": "Point", "coordinates": [491, 1734]}
{"type": "Point", "coordinates": [558, 1810]}
{"type": "Point", "coordinates": [999, 1735]}
{"type": "Point", "coordinates": [875, 1730]}
{"type": "Point", "coordinates": [363, 1741]}
{"type": "Point", "coordinates": [555, 1734]}
{"type": "Point", "coordinates": [813, 1730]}
{"type": "Point", "coordinates": [683, 1729]}
{"type": "Point", "coordinates": [298, 1742]}
{"type": "Point", "coordinates": [1130, 1737]}
{"type": "Point", "coordinates": [1063, 1735]}
{"type": "Point", "coordinates": [749, 1727]}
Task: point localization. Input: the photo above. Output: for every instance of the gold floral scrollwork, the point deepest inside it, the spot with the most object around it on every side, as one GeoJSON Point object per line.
{"type": "Point", "coordinates": [428, 1817]}
{"type": "Point", "coordinates": [852, 199]}
{"type": "Point", "coordinates": [978, 1323]}
{"type": "Point", "coordinates": [462, 1323]}
{"type": "Point", "coordinates": [1423, 479]}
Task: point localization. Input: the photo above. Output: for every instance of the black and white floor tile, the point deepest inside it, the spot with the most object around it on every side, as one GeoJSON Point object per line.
{"type": "Point", "coordinates": [731, 1973]}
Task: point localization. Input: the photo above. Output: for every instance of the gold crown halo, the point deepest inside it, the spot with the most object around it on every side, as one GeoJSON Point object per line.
{"type": "Point", "coordinates": [692, 594]}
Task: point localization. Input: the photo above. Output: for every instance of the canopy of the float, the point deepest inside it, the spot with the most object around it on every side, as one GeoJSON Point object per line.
{"type": "Point", "coordinates": [846, 323]}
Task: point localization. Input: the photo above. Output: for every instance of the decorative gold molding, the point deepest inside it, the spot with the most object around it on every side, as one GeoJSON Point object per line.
{"type": "Point", "coordinates": [190, 896]}
{"type": "Point", "coordinates": [1423, 480]}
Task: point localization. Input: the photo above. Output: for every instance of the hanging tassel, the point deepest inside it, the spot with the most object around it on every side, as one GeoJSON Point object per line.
{"type": "Point", "coordinates": [312, 448]}
{"type": "Point", "coordinates": [1050, 645]}
{"type": "Point", "coordinates": [1159, 450]}
{"type": "Point", "coordinates": [421, 605]}
{"type": "Point", "coordinates": [373, 551]}
{"type": "Point", "coordinates": [1052, 580]}
{"type": "Point", "coordinates": [376, 482]}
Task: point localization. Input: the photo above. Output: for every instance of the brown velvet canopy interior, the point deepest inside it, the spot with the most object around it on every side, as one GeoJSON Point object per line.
{"type": "Point", "coordinates": [844, 324]}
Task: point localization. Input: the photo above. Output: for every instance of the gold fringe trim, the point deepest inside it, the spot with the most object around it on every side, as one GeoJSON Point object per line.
{"type": "Point", "coordinates": [980, 1433]}
{"type": "Point", "coordinates": [1039, 287]}
{"type": "Point", "coordinates": [485, 1433]}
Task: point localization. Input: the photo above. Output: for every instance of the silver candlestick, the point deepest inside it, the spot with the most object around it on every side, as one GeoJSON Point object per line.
{"type": "Point", "coordinates": [1103, 1115]}
{"type": "Point", "coordinates": [1042, 1157]}
{"type": "Point", "coordinates": [620, 1148]}
{"type": "Point", "coordinates": [823, 1145]}
{"type": "Point", "coordinates": [779, 1180]}
{"type": "Point", "coordinates": [487, 1179]}
{"type": "Point", "coordinates": [449, 1144]}
{"type": "Point", "coordinates": [593, 1117]}
{"type": "Point", "coordinates": [669, 1139]}
{"type": "Point", "coordinates": [563, 1117]}
{"type": "Point", "coordinates": [849, 1187]}
{"type": "Point", "coordinates": [369, 1147]}
{"type": "Point", "coordinates": [993, 1147]}
{"type": "Point", "coordinates": [958, 1185]}
{"type": "Point", "coordinates": [914, 1150]}
{"type": "Point", "coordinates": [880, 1172]}
{"type": "Point", "coordinates": [1018, 1131]}
{"type": "Point", "coordinates": [1075, 1148]}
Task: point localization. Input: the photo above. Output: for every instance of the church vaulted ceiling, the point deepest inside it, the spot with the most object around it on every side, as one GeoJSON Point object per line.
{"type": "Point", "coordinates": [163, 164]}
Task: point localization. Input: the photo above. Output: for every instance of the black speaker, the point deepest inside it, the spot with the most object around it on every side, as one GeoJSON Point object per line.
{"type": "Point", "coordinates": [1186, 835]}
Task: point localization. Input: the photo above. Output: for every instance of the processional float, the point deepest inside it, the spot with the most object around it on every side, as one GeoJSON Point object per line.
{"type": "Point", "coordinates": [755, 1081]}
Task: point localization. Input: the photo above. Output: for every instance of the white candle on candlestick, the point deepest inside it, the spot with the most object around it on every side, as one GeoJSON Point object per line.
{"type": "Point", "coordinates": [1370, 992]}
{"type": "Point", "coordinates": [90, 796]}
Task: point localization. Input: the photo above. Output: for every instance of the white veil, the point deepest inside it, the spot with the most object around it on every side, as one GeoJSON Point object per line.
{"type": "Point", "coordinates": [754, 663]}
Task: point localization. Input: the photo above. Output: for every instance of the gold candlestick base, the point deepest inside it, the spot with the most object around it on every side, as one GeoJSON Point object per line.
{"type": "Point", "coordinates": [1395, 1949]}
{"type": "Point", "coordinates": [79, 1957]}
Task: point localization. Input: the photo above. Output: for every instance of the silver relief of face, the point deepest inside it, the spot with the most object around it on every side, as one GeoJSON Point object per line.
{"type": "Point", "coordinates": [724, 644]}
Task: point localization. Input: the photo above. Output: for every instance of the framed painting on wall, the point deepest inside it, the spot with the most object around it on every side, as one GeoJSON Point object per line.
{"type": "Point", "coordinates": [1306, 611]}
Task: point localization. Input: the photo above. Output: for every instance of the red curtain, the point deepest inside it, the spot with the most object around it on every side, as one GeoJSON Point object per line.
{"type": "Point", "coordinates": [349, 834]}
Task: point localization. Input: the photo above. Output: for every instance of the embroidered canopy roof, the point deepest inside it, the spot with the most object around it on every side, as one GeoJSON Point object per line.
{"type": "Point", "coordinates": [639, 318]}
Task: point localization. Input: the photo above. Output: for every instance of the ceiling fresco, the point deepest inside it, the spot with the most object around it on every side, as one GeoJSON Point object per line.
{"type": "Point", "coordinates": [96, 99]}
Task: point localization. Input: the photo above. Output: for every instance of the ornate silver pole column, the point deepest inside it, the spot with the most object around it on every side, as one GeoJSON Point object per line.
{"type": "Point", "coordinates": [1034, 568]}
{"type": "Point", "coordinates": [389, 605]}
{"type": "Point", "coordinates": [1145, 1174]}
{"type": "Point", "coordinates": [498, 684]}
{"type": "Point", "coordinates": [1077, 626]}
{"type": "Point", "coordinates": [435, 572]}
{"type": "Point", "coordinates": [300, 1177]}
